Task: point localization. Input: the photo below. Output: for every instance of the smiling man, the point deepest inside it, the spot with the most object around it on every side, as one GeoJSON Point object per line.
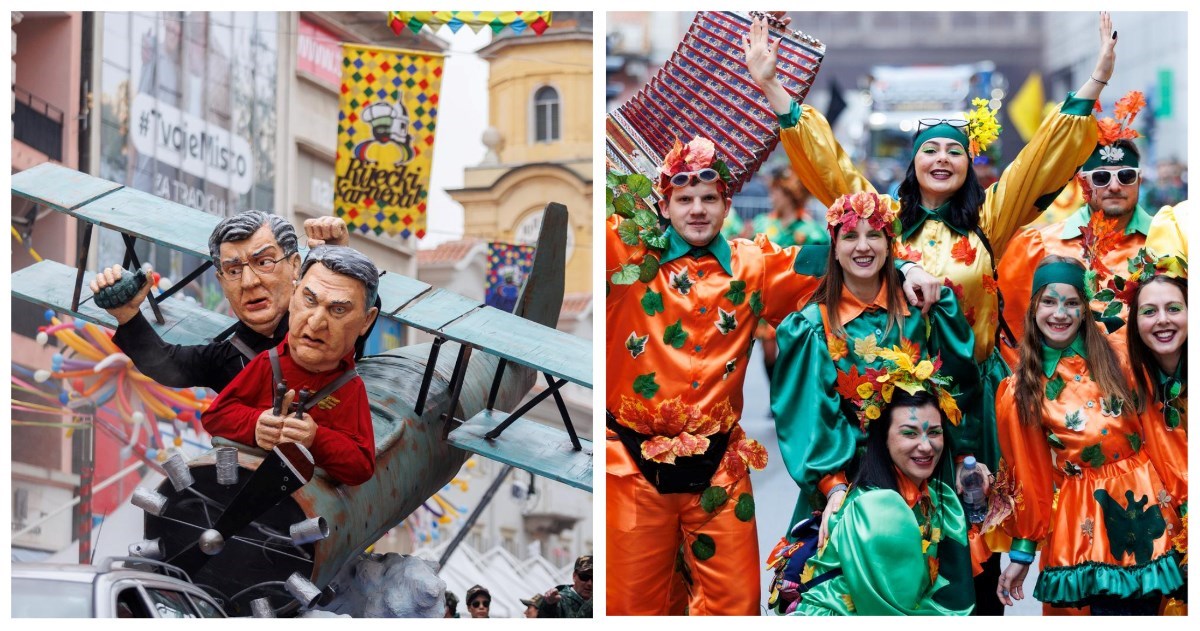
{"type": "Point", "coordinates": [329, 310]}
{"type": "Point", "coordinates": [1111, 180]}
{"type": "Point", "coordinates": [256, 259]}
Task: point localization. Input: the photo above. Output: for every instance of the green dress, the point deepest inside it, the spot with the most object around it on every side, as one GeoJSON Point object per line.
{"type": "Point", "coordinates": [895, 560]}
{"type": "Point", "coordinates": [818, 432]}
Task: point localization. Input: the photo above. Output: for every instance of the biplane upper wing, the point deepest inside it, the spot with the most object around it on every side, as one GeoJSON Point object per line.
{"type": "Point", "coordinates": [559, 356]}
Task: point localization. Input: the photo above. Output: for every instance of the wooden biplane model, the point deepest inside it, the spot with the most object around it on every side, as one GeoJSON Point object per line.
{"type": "Point", "coordinates": [245, 534]}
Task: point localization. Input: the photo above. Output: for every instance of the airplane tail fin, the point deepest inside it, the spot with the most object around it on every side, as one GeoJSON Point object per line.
{"type": "Point", "coordinates": [542, 294]}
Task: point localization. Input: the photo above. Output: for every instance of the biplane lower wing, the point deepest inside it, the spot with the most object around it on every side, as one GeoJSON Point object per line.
{"type": "Point", "coordinates": [527, 444]}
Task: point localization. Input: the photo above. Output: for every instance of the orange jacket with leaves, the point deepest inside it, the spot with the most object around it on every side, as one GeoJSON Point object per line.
{"type": "Point", "coordinates": [677, 346]}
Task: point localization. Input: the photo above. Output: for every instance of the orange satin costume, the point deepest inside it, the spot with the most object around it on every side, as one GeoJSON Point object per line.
{"type": "Point", "coordinates": [683, 340]}
{"type": "Point", "coordinates": [1108, 534]}
{"type": "Point", "coordinates": [1064, 238]}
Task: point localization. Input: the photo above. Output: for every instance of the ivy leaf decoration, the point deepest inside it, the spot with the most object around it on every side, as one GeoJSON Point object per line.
{"type": "Point", "coordinates": [612, 179]}
{"type": "Point", "coordinates": [624, 205]}
{"type": "Point", "coordinates": [645, 218]}
{"type": "Point", "coordinates": [654, 238]}
{"type": "Point", "coordinates": [726, 321]}
{"type": "Point", "coordinates": [1112, 406]}
{"type": "Point", "coordinates": [1131, 528]}
{"type": "Point", "coordinates": [1072, 469]}
{"type": "Point", "coordinates": [1054, 387]}
{"type": "Point", "coordinates": [626, 275]}
{"type": "Point", "coordinates": [1093, 455]}
{"type": "Point", "coordinates": [1112, 309]}
{"type": "Point", "coordinates": [744, 510]}
{"type": "Point", "coordinates": [636, 345]}
{"type": "Point", "coordinates": [756, 303]}
{"type": "Point", "coordinates": [639, 184]}
{"type": "Point", "coordinates": [1055, 441]}
{"type": "Point", "coordinates": [609, 209]}
{"type": "Point", "coordinates": [648, 268]}
{"type": "Point", "coordinates": [713, 498]}
{"type": "Point", "coordinates": [628, 232]}
{"type": "Point", "coordinates": [652, 302]}
{"type": "Point", "coordinates": [1076, 420]}
{"type": "Point", "coordinates": [675, 335]}
{"type": "Point", "coordinates": [645, 386]}
{"type": "Point", "coordinates": [681, 282]}
{"type": "Point", "coordinates": [1105, 295]}
{"type": "Point", "coordinates": [737, 292]}
{"type": "Point", "coordinates": [722, 170]}
{"type": "Point", "coordinates": [1135, 442]}
{"type": "Point", "coordinates": [703, 548]}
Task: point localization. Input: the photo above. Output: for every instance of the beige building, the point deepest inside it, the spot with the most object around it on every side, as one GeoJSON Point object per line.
{"type": "Point", "coordinates": [539, 141]}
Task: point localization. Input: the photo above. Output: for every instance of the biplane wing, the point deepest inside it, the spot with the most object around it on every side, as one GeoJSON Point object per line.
{"type": "Point", "coordinates": [507, 437]}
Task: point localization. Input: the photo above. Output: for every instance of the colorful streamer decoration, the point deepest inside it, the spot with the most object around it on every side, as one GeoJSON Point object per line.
{"type": "Point", "coordinates": [98, 381]}
{"type": "Point", "coordinates": [518, 21]}
{"type": "Point", "coordinates": [508, 265]}
{"type": "Point", "coordinates": [389, 107]}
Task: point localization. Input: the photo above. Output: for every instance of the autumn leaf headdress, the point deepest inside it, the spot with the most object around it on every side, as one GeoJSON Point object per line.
{"type": "Point", "coordinates": [1114, 128]}
{"type": "Point", "coordinates": [1143, 266]}
{"type": "Point", "coordinates": [700, 153]}
{"type": "Point", "coordinates": [902, 368]}
{"type": "Point", "coordinates": [879, 211]}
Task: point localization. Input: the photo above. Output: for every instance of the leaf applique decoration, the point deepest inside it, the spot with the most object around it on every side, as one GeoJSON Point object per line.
{"type": "Point", "coordinates": [648, 268]}
{"type": "Point", "coordinates": [1093, 455]}
{"type": "Point", "coordinates": [744, 510]}
{"type": "Point", "coordinates": [963, 252]}
{"type": "Point", "coordinates": [636, 345]}
{"type": "Point", "coordinates": [1075, 421]}
{"type": "Point", "coordinates": [675, 335]}
{"type": "Point", "coordinates": [703, 548]}
{"type": "Point", "coordinates": [713, 498]}
{"type": "Point", "coordinates": [1054, 387]}
{"type": "Point", "coordinates": [1070, 468]}
{"type": "Point", "coordinates": [1132, 528]}
{"type": "Point", "coordinates": [837, 346]}
{"type": "Point", "coordinates": [756, 303]}
{"type": "Point", "coordinates": [681, 282]}
{"type": "Point", "coordinates": [627, 275]}
{"type": "Point", "coordinates": [867, 348]}
{"type": "Point", "coordinates": [1135, 442]}
{"type": "Point", "coordinates": [737, 292]}
{"type": "Point", "coordinates": [726, 321]}
{"type": "Point", "coordinates": [1055, 441]}
{"type": "Point", "coordinates": [730, 366]}
{"type": "Point", "coordinates": [645, 385]}
{"type": "Point", "coordinates": [628, 232]}
{"type": "Point", "coordinates": [1112, 405]}
{"type": "Point", "coordinates": [652, 302]}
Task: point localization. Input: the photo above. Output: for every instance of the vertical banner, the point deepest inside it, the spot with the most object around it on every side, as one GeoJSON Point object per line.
{"type": "Point", "coordinates": [386, 127]}
{"type": "Point", "coordinates": [508, 265]}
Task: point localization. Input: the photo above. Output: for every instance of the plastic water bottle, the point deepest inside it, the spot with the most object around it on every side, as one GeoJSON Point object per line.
{"type": "Point", "coordinates": [973, 499]}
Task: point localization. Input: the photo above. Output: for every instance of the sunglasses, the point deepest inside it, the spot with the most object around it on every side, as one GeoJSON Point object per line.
{"type": "Point", "coordinates": [1101, 178]}
{"type": "Point", "coordinates": [480, 603]}
{"type": "Point", "coordinates": [687, 178]}
{"type": "Point", "coordinates": [926, 123]}
{"type": "Point", "coordinates": [585, 576]}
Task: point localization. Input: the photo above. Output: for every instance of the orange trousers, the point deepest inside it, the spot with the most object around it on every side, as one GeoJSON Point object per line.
{"type": "Point", "coordinates": [645, 531]}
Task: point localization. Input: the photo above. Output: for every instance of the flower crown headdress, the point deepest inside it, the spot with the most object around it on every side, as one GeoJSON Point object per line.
{"type": "Point", "coordinates": [879, 211]}
{"type": "Point", "coordinates": [698, 154]}
{"type": "Point", "coordinates": [902, 368]}
{"type": "Point", "coordinates": [1143, 266]}
{"type": "Point", "coordinates": [982, 127]}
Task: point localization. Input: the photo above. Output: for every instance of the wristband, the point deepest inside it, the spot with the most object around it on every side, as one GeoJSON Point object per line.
{"type": "Point", "coordinates": [835, 489]}
{"type": "Point", "coordinates": [1099, 81]}
{"type": "Point", "coordinates": [1022, 551]}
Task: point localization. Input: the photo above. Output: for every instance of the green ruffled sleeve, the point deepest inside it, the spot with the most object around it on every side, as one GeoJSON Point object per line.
{"type": "Point", "coordinates": [877, 543]}
{"type": "Point", "coordinates": [1040, 171]}
{"type": "Point", "coordinates": [815, 437]}
{"type": "Point", "coordinates": [951, 337]}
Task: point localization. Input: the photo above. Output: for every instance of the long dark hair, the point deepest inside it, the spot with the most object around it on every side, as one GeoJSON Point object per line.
{"type": "Point", "coordinates": [875, 468]}
{"type": "Point", "coordinates": [829, 290]}
{"type": "Point", "coordinates": [964, 204]}
{"type": "Point", "coordinates": [1101, 360]}
{"type": "Point", "coordinates": [1141, 358]}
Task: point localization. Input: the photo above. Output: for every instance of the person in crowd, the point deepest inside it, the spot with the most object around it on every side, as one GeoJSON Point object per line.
{"type": "Point", "coordinates": [829, 351]}
{"type": "Point", "coordinates": [451, 605]}
{"type": "Point", "coordinates": [1089, 476]}
{"type": "Point", "coordinates": [951, 224]}
{"type": "Point", "coordinates": [898, 546]}
{"type": "Point", "coordinates": [531, 605]}
{"type": "Point", "coordinates": [479, 601]}
{"type": "Point", "coordinates": [570, 601]}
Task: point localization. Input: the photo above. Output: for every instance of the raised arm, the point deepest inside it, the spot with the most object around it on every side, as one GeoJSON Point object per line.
{"type": "Point", "coordinates": [1105, 61]}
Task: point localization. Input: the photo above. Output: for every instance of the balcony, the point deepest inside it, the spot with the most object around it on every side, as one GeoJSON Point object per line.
{"type": "Point", "coordinates": [38, 124]}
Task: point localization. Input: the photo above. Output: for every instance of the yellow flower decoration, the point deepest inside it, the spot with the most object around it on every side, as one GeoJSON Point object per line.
{"type": "Point", "coordinates": [872, 412]}
{"type": "Point", "coordinates": [924, 370]}
{"type": "Point", "coordinates": [865, 390]}
{"type": "Point", "coordinates": [887, 391]}
{"type": "Point", "coordinates": [982, 127]}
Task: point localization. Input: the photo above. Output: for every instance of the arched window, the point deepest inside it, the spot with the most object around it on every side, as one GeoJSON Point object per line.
{"type": "Point", "coordinates": [545, 115]}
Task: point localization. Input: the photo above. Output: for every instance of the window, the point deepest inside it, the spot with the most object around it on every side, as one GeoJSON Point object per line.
{"type": "Point", "coordinates": [545, 115]}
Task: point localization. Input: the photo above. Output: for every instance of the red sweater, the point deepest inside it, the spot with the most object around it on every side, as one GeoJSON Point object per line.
{"type": "Point", "coordinates": [344, 445]}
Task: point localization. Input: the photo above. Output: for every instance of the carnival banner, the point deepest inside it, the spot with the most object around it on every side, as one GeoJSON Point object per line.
{"type": "Point", "coordinates": [386, 125]}
{"type": "Point", "coordinates": [508, 265]}
{"type": "Point", "coordinates": [518, 21]}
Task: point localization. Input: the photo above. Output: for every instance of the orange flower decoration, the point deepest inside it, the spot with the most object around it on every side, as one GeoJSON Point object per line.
{"type": "Point", "coordinates": [743, 454]}
{"type": "Point", "coordinates": [879, 211]}
{"type": "Point", "coordinates": [677, 429]}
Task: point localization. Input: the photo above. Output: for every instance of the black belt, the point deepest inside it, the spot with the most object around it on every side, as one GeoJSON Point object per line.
{"type": "Point", "coordinates": [689, 474]}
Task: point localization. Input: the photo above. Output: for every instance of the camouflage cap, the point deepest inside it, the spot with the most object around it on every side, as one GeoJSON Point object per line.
{"type": "Point", "coordinates": [583, 564]}
{"type": "Point", "coordinates": [533, 601]}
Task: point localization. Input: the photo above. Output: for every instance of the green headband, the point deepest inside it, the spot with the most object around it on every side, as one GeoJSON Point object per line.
{"type": "Point", "coordinates": [941, 130]}
{"type": "Point", "coordinates": [1110, 156]}
{"type": "Point", "coordinates": [1059, 272]}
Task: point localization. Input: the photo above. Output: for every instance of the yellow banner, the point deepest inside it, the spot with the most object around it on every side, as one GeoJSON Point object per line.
{"type": "Point", "coordinates": [386, 125]}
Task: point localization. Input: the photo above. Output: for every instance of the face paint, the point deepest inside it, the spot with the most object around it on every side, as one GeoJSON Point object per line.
{"type": "Point", "coordinates": [915, 441]}
{"type": "Point", "coordinates": [1058, 314]}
